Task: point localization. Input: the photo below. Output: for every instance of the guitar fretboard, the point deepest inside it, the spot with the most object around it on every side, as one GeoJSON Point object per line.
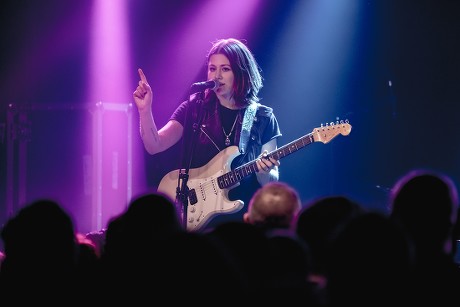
{"type": "Point", "coordinates": [233, 177]}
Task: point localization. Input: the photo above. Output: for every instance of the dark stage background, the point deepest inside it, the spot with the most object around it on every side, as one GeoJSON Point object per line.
{"type": "Point", "coordinates": [399, 87]}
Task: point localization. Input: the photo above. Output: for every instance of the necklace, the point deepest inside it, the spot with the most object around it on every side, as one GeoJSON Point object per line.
{"type": "Point", "coordinates": [227, 136]}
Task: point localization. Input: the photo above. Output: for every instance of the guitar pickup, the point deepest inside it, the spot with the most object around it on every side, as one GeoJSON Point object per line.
{"type": "Point", "coordinates": [192, 197]}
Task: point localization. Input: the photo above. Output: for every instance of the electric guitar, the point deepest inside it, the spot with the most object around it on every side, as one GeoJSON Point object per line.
{"type": "Point", "coordinates": [208, 186]}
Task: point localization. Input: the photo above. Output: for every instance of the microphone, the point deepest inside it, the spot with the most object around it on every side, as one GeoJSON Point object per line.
{"type": "Point", "coordinates": [201, 86]}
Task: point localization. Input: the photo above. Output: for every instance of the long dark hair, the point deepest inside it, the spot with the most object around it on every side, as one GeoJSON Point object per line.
{"type": "Point", "coordinates": [248, 78]}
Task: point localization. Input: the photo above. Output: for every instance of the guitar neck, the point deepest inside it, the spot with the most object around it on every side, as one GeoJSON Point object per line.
{"type": "Point", "coordinates": [233, 177]}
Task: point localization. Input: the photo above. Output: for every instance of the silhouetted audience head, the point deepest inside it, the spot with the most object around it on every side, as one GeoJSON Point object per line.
{"type": "Point", "coordinates": [274, 205]}
{"type": "Point", "coordinates": [41, 250]}
{"type": "Point", "coordinates": [153, 214]}
{"type": "Point", "coordinates": [318, 223]}
{"type": "Point", "coordinates": [371, 263]}
{"type": "Point", "coordinates": [135, 243]}
{"type": "Point", "coordinates": [426, 204]}
{"type": "Point", "coordinates": [148, 218]}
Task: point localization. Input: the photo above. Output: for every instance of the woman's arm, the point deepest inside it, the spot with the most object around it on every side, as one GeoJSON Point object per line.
{"type": "Point", "coordinates": [158, 140]}
{"type": "Point", "coordinates": [154, 140]}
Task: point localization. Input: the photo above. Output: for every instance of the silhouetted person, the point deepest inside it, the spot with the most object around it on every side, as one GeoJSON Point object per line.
{"type": "Point", "coordinates": [371, 263]}
{"type": "Point", "coordinates": [41, 253]}
{"type": "Point", "coordinates": [317, 224]}
{"type": "Point", "coordinates": [149, 217]}
{"type": "Point", "coordinates": [425, 203]}
{"type": "Point", "coordinates": [148, 254]}
{"type": "Point", "coordinates": [132, 240]}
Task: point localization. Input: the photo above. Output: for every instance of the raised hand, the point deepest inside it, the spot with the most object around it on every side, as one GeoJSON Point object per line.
{"type": "Point", "coordinates": [143, 94]}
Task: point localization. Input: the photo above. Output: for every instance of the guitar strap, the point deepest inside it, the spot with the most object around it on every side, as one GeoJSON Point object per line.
{"type": "Point", "coordinates": [248, 119]}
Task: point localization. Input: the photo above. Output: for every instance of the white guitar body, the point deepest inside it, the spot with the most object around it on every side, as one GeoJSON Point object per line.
{"type": "Point", "coordinates": [211, 200]}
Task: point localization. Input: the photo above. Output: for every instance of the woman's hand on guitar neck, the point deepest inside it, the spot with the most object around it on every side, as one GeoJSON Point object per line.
{"type": "Point", "coordinates": [266, 163]}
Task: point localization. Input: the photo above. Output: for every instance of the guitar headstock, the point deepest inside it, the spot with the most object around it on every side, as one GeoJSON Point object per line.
{"type": "Point", "coordinates": [326, 133]}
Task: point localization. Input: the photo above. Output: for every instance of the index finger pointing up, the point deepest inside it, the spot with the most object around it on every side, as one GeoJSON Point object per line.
{"type": "Point", "coordinates": [142, 76]}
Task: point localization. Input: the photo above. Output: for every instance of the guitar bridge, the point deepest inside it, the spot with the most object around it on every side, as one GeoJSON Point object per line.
{"type": "Point", "coordinates": [192, 197]}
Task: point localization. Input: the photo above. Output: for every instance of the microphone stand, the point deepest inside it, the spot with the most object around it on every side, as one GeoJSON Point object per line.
{"type": "Point", "coordinates": [182, 190]}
